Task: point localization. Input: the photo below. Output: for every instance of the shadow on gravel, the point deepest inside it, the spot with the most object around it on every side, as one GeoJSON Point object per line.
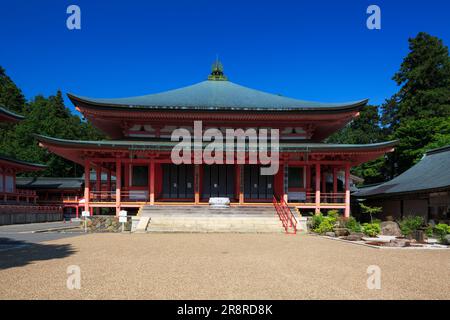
{"type": "Point", "coordinates": [16, 253]}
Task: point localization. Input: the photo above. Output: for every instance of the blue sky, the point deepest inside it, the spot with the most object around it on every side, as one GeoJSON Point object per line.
{"type": "Point", "coordinates": [312, 50]}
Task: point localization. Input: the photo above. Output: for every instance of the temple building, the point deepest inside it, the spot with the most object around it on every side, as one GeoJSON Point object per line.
{"type": "Point", "coordinates": [138, 152]}
{"type": "Point", "coordinates": [422, 190]}
{"type": "Point", "coordinates": [9, 167]}
{"type": "Point", "coordinates": [19, 205]}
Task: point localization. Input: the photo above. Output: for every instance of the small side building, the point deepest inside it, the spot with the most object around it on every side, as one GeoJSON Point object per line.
{"type": "Point", "coordinates": [423, 190]}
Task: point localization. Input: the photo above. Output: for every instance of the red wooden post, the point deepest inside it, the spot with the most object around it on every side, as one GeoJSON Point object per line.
{"type": "Point", "coordinates": [118, 184]}
{"type": "Point", "coordinates": [87, 173]}
{"type": "Point", "coordinates": [152, 182]}
{"type": "Point", "coordinates": [76, 211]}
{"type": "Point", "coordinates": [335, 187]}
{"type": "Point", "coordinates": [308, 181]}
{"type": "Point", "coordinates": [317, 188]}
{"type": "Point", "coordinates": [108, 181]}
{"type": "Point", "coordinates": [196, 183]}
{"type": "Point", "coordinates": [347, 191]}
{"type": "Point", "coordinates": [98, 185]}
{"type": "Point", "coordinates": [240, 187]}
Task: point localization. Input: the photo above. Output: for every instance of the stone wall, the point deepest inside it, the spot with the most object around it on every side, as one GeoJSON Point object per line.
{"type": "Point", "coordinates": [29, 217]}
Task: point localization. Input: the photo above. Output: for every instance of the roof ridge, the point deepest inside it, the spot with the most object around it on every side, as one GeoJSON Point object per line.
{"type": "Point", "coordinates": [438, 150]}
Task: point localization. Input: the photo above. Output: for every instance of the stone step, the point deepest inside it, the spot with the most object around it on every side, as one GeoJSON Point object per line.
{"type": "Point", "coordinates": [204, 219]}
{"type": "Point", "coordinates": [216, 229]}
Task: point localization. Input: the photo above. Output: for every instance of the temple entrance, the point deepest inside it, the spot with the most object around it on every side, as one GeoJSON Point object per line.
{"type": "Point", "coordinates": [257, 186]}
{"type": "Point", "coordinates": [178, 181]}
{"type": "Point", "coordinates": [218, 181]}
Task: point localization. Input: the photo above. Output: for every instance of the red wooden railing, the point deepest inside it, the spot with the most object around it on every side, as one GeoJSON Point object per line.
{"type": "Point", "coordinates": [286, 216]}
{"type": "Point", "coordinates": [327, 197]}
{"type": "Point", "coordinates": [125, 196]}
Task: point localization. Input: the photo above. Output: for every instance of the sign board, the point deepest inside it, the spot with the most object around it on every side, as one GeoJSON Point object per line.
{"type": "Point", "coordinates": [123, 213]}
{"type": "Point", "coordinates": [123, 219]}
{"type": "Point", "coordinates": [85, 214]}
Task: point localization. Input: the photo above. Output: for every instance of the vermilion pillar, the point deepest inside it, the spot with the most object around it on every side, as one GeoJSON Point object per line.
{"type": "Point", "coordinates": [87, 173]}
{"type": "Point", "coordinates": [239, 173]}
{"type": "Point", "coordinates": [335, 172]}
{"type": "Point", "coordinates": [152, 182]}
{"type": "Point", "coordinates": [317, 188]}
{"type": "Point", "coordinates": [308, 182]}
{"type": "Point", "coordinates": [347, 191]}
{"type": "Point", "coordinates": [108, 181]}
{"type": "Point", "coordinates": [118, 184]}
{"type": "Point", "coordinates": [98, 185]}
{"type": "Point", "coordinates": [196, 183]}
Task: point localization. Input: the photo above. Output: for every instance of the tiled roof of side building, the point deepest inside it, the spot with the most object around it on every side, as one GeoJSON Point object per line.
{"type": "Point", "coordinates": [12, 160]}
{"type": "Point", "coordinates": [432, 172]}
{"type": "Point", "coordinates": [49, 183]}
{"type": "Point", "coordinates": [7, 114]}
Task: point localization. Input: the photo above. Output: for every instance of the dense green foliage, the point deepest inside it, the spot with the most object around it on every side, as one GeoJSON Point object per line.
{"type": "Point", "coordinates": [46, 116]}
{"type": "Point", "coordinates": [409, 225]}
{"type": "Point", "coordinates": [323, 224]}
{"type": "Point", "coordinates": [441, 230]}
{"type": "Point", "coordinates": [353, 225]}
{"type": "Point", "coordinates": [418, 115]}
{"type": "Point", "coordinates": [370, 211]}
{"type": "Point", "coordinates": [371, 229]}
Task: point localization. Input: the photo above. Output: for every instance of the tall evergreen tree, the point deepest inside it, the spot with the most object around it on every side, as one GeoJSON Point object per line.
{"type": "Point", "coordinates": [418, 114]}
{"type": "Point", "coordinates": [424, 77]}
{"type": "Point", "coordinates": [10, 95]}
{"type": "Point", "coordinates": [47, 116]}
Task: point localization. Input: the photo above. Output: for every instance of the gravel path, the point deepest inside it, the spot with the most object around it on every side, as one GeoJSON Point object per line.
{"type": "Point", "coordinates": [219, 266]}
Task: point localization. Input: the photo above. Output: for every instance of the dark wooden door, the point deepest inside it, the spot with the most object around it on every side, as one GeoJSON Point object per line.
{"type": "Point", "coordinates": [218, 181]}
{"type": "Point", "coordinates": [178, 181]}
{"type": "Point", "coordinates": [257, 186]}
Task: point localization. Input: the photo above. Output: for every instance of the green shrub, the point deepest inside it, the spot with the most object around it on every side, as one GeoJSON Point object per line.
{"type": "Point", "coordinates": [410, 224]}
{"type": "Point", "coordinates": [429, 231]}
{"type": "Point", "coordinates": [353, 225]}
{"type": "Point", "coordinates": [371, 229]}
{"type": "Point", "coordinates": [316, 220]}
{"type": "Point", "coordinates": [442, 230]}
{"type": "Point", "coordinates": [325, 226]}
{"type": "Point", "coordinates": [333, 214]}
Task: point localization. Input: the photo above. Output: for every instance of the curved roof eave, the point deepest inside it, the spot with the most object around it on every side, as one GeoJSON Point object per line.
{"type": "Point", "coordinates": [304, 147]}
{"type": "Point", "coordinates": [10, 114]}
{"type": "Point", "coordinates": [34, 166]}
{"type": "Point", "coordinates": [215, 96]}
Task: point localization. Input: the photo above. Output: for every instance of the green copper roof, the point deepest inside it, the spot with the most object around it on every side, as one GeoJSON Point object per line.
{"type": "Point", "coordinates": [216, 95]}
{"type": "Point", "coordinates": [20, 162]}
{"type": "Point", "coordinates": [6, 112]}
{"type": "Point", "coordinates": [168, 145]}
{"type": "Point", "coordinates": [432, 172]}
{"type": "Point", "coordinates": [49, 183]}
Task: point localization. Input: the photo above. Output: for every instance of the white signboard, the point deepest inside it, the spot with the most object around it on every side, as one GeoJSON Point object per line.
{"type": "Point", "coordinates": [85, 214]}
{"type": "Point", "coordinates": [123, 219]}
{"type": "Point", "coordinates": [123, 213]}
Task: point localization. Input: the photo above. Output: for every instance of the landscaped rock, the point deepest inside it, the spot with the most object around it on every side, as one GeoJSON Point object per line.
{"type": "Point", "coordinates": [397, 243]}
{"type": "Point", "coordinates": [390, 228]}
{"type": "Point", "coordinates": [341, 232]}
{"type": "Point", "coordinates": [446, 240]}
{"type": "Point", "coordinates": [330, 234]}
{"type": "Point", "coordinates": [352, 237]}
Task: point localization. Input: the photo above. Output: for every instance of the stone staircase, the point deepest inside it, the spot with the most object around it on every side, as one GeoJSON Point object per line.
{"type": "Point", "coordinates": [203, 219]}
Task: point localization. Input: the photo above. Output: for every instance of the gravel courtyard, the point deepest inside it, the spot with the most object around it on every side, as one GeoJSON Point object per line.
{"type": "Point", "coordinates": [219, 266]}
